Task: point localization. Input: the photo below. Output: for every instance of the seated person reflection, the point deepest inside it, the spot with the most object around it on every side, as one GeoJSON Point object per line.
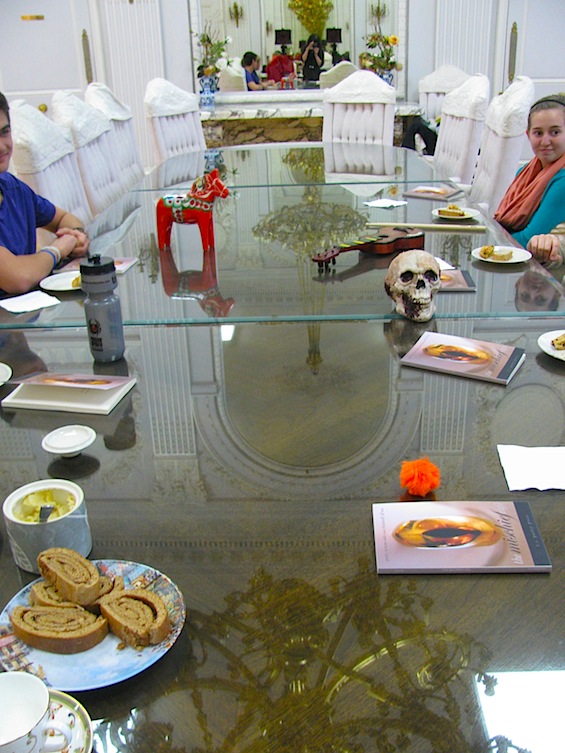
{"type": "Point", "coordinates": [251, 63]}
{"type": "Point", "coordinates": [313, 58]}
{"type": "Point", "coordinates": [536, 292]}
{"type": "Point", "coordinates": [22, 211]}
{"type": "Point", "coordinates": [535, 200]}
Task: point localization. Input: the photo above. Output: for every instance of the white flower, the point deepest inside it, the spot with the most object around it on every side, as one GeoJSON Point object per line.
{"type": "Point", "coordinates": [222, 63]}
{"type": "Point", "coordinates": [229, 40]}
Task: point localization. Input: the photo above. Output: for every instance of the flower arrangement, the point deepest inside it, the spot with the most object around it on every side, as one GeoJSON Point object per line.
{"type": "Point", "coordinates": [383, 57]}
{"type": "Point", "coordinates": [213, 55]}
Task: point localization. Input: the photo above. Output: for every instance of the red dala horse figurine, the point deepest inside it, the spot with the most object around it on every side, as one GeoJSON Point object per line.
{"type": "Point", "coordinates": [194, 208]}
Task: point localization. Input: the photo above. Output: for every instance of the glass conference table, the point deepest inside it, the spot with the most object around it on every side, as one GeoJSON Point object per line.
{"type": "Point", "coordinates": [243, 466]}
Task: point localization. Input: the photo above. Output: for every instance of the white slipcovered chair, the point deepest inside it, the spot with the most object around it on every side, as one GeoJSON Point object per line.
{"type": "Point", "coordinates": [502, 143]}
{"type": "Point", "coordinates": [337, 73]}
{"type": "Point", "coordinates": [92, 137]}
{"type": "Point", "coordinates": [463, 116]}
{"type": "Point", "coordinates": [173, 116]}
{"type": "Point", "coordinates": [433, 88]}
{"type": "Point", "coordinates": [359, 109]}
{"type": "Point", "coordinates": [44, 158]}
{"type": "Point", "coordinates": [126, 152]}
{"type": "Point", "coordinates": [232, 78]}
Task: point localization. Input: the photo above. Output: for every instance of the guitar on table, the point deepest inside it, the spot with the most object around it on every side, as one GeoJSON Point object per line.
{"type": "Point", "coordinates": [388, 241]}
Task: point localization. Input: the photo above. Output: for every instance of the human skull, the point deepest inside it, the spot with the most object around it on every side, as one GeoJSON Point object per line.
{"type": "Point", "coordinates": [412, 280]}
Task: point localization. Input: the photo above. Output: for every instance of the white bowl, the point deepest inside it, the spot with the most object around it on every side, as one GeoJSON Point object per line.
{"type": "Point", "coordinates": [28, 539]}
{"type": "Point", "coordinates": [69, 441]}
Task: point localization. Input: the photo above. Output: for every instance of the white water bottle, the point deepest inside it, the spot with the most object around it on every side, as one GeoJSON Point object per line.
{"type": "Point", "coordinates": [102, 309]}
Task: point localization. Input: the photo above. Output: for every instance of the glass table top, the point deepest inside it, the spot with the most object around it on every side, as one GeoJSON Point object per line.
{"type": "Point", "coordinates": [262, 268]}
{"type": "Point", "coordinates": [299, 164]}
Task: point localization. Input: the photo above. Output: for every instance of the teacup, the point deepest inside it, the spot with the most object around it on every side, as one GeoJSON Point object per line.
{"type": "Point", "coordinates": [26, 725]}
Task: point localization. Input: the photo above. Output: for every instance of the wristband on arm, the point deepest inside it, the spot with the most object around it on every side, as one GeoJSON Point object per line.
{"type": "Point", "coordinates": [54, 253]}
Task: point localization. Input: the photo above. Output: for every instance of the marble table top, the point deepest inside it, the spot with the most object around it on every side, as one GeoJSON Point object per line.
{"type": "Point", "coordinates": [293, 103]}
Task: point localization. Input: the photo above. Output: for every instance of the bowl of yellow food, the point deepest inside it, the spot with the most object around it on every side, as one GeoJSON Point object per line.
{"type": "Point", "coordinates": [66, 525]}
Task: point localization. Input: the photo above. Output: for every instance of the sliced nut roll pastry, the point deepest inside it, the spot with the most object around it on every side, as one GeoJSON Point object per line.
{"type": "Point", "coordinates": [60, 630]}
{"type": "Point", "coordinates": [75, 578]}
{"type": "Point", "coordinates": [107, 586]}
{"type": "Point", "coordinates": [43, 593]}
{"type": "Point", "coordinates": [139, 617]}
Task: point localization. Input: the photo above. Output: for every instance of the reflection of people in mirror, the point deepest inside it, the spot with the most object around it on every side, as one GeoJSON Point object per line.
{"type": "Point", "coordinates": [536, 292]}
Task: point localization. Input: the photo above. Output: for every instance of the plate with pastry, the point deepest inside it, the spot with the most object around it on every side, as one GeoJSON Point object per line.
{"type": "Point", "coordinates": [62, 282]}
{"type": "Point", "coordinates": [553, 343]}
{"type": "Point", "coordinates": [453, 213]}
{"type": "Point", "coordinates": [87, 624]}
{"type": "Point", "coordinates": [501, 254]}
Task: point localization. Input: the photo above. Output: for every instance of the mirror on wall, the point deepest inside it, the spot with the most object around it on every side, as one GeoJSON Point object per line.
{"type": "Point", "coordinates": [252, 25]}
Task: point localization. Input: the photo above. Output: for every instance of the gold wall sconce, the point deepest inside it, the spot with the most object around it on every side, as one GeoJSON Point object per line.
{"type": "Point", "coordinates": [236, 13]}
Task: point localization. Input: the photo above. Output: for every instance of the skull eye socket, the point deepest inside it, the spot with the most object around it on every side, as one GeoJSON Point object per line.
{"type": "Point", "coordinates": [407, 276]}
{"type": "Point", "coordinates": [430, 275]}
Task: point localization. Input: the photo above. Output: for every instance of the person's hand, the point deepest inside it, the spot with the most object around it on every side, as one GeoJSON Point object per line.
{"type": "Point", "coordinates": [82, 242]}
{"type": "Point", "coordinates": [545, 248]}
{"type": "Point", "coordinates": [65, 244]}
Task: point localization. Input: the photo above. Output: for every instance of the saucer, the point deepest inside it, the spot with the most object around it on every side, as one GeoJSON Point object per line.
{"type": "Point", "coordinates": [5, 373]}
{"type": "Point", "coordinates": [68, 440]}
{"type": "Point", "coordinates": [66, 709]}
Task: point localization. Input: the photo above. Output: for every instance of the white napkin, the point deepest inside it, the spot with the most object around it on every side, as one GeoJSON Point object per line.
{"type": "Point", "coordinates": [37, 299]}
{"type": "Point", "coordinates": [384, 203]}
{"type": "Point", "coordinates": [532, 467]}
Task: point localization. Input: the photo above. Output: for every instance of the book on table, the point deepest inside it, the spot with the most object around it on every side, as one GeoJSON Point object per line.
{"type": "Point", "coordinates": [458, 537]}
{"type": "Point", "coordinates": [122, 264]}
{"type": "Point", "coordinates": [71, 393]}
{"type": "Point", "coordinates": [461, 356]}
{"type": "Point", "coordinates": [457, 281]}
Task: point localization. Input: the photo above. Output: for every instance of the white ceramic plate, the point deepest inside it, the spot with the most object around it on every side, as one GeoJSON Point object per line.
{"type": "Point", "coordinates": [518, 255]}
{"type": "Point", "coordinates": [67, 710]}
{"type": "Point", "coordinates": [69, 440]}
{"type": "Point", "coordinates": [60, 282]}
{"type": "Point", "coordinates": [5, 373]}
{"type": "Point", "coordinates": [470, 214]}
{"type": "Point", "coordinates": [544, 341]}
{"type": "Point", "coordinates": [104, 664]}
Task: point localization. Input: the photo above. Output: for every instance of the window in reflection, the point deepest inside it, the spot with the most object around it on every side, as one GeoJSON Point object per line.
{"type": "Point", "coordinates": [526, 709]}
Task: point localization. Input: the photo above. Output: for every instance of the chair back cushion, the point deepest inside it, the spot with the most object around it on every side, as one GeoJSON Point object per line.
{"type": "Point", "coordinates": [503, 142]}
{"type": "Point", "coordinates": [358, 122]}
{"type": "Point", "coordinates": [337, 73]}
{"type": "Point", "coordinates": [230, 79]}
{"type": "Point", "coordinates": [44, 157]}
{"type": "Point", "coordinates": [457, 148]}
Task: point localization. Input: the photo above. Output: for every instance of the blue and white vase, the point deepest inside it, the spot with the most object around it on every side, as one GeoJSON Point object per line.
{"type": "Point", "coordinates": [387, 76]}
{"type": "Point", "coordinates": [208, 89]}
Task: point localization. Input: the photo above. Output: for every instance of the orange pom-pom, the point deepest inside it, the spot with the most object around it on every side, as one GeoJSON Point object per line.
{"type": "Point", "coordinates": [419, 476]}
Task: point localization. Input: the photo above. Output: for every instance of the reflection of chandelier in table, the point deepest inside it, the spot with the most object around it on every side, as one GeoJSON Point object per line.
{"type": "Point", "coordinates": [307, 229]}
{"type": "Point", "coordinates": [293, 666]}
